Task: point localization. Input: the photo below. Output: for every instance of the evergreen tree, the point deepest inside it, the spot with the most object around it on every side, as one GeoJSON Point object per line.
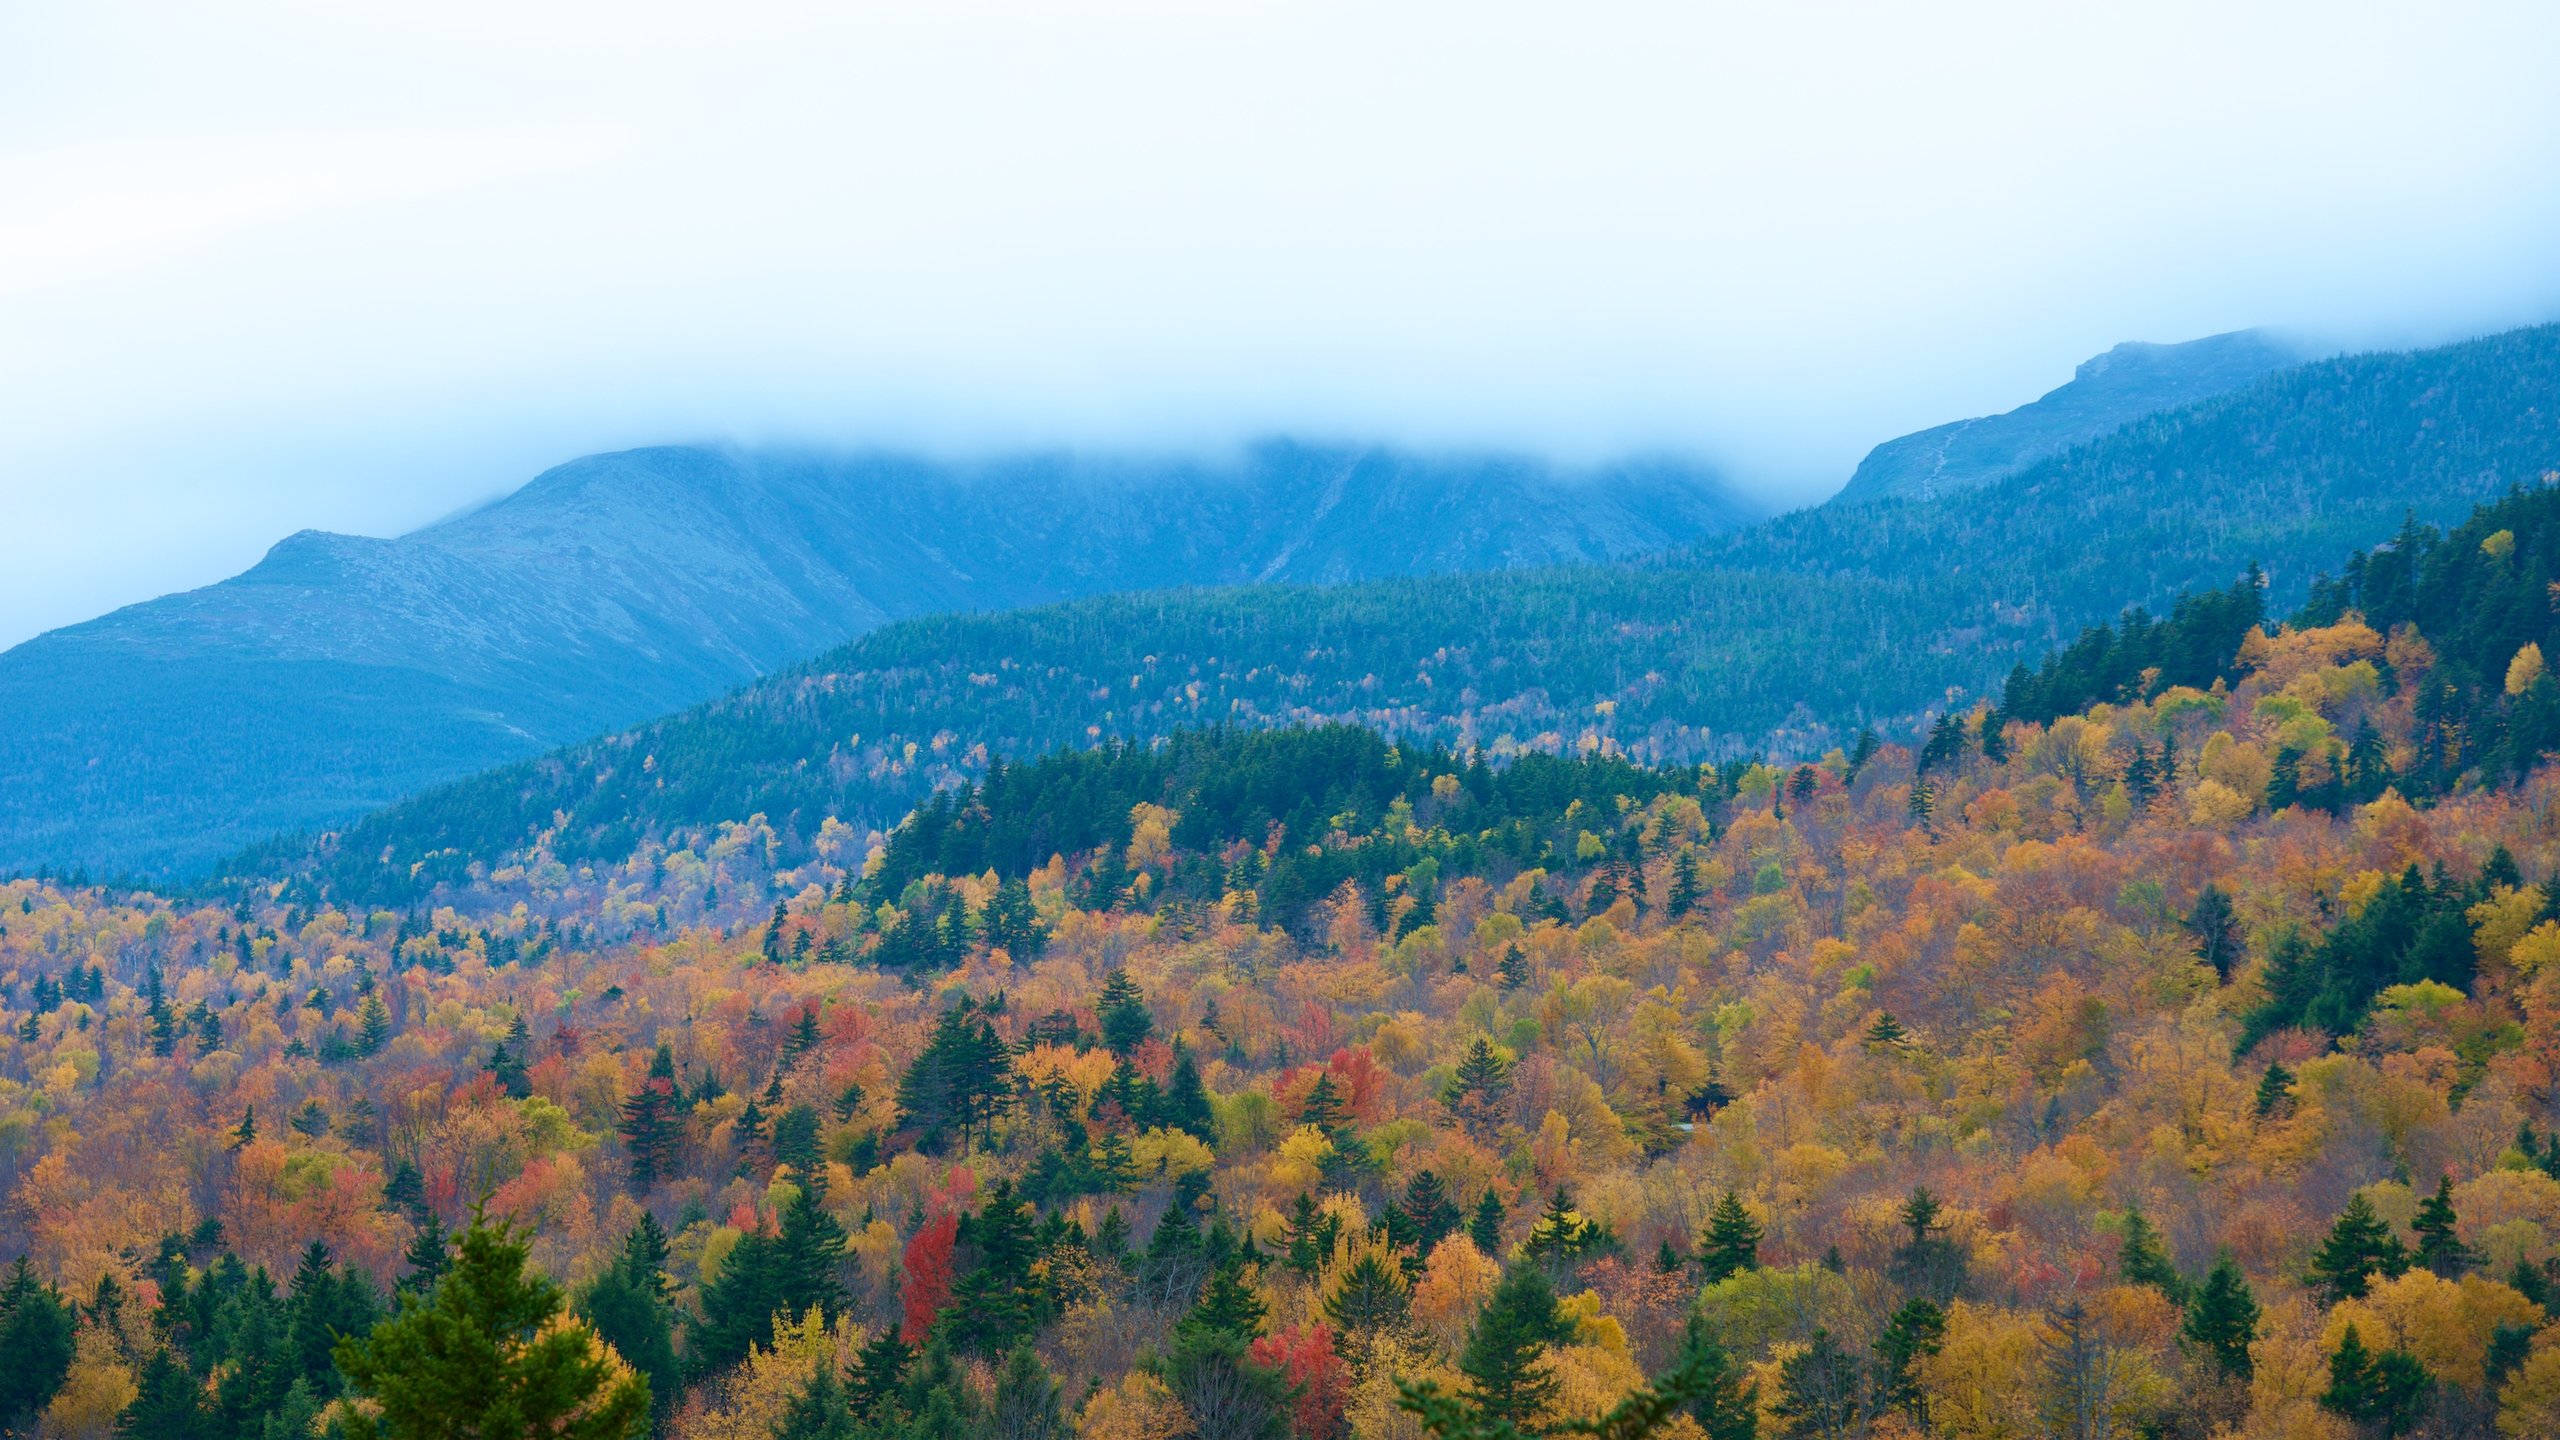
{"type": "Point", "coordinates": [1886, 1033]}
{"type": "Point", "coordinates": [1684, 885]}
{"type": "Point", "coordinates": [35, 1343]}
{"type": "Point", "coordinates": [1818, 1392]}
{"type": "Point", "coordinates": [1307, 1243]}
{"type": "Point", "coordinates": [2141, 1261]}
{"type": "Point", "coordinates": [2275, 1091]}
{"type": "Point", "coordinates": [2359, 1247]}
{"type": "Point", "coordinates": [1227, 1395]}
{"type": "Point", "coordinates": [325, 1303]}
{"type": "Point", "coordinates": [2439, 1248]}
{"type": "Point", "coordinates": [1923, 805]}
{"type": "Point", "coordinates": [627, 1307]}
{"type": "Point", "coordinates": [2222, 1319]}
{"type": "Point", "coordinates": [819, 1411]}
{"type": "Point", "coordinates": [1025, 1405]}
{"type": "Point", "coordinates": [1427, 1206]}
{"type": "Point", "coordinates": [1485, 1226]}
{"type": "Point", "coordinates": [1913, 1333]}
{"type": "Point", "coordinates": [373, 1027]}
{"type": "Point", "coordinates": [2388, 1391]}
{"type": "Point", "coordinates": [1228, 1305]}
{"type": "Point", "coordinates": [1323, 1107]}
{"type": "Point", "coordinates": [2216, 930]}
{"type": "Point", "coordinates": [963, 1079]}
{"type": "Point", "coordinates": [489, 1355]}
{"type": "Point", "coordinates": [795, 1143]}
{"type": "Point", "coordinates": [994, 1303]}
{"type": "Point", "coordinates": [1730, 1243]}
{"type": "Point", "coordinates": [1505, 1357]}
{"type": "Point", "coordinates": [1121, 1011]}
{"type": "Point", "coordinates": [1186, 1100]}
{"type": "Point", "coordinates": [245, 1134]}
{"type": "Point", "coordinates": [805, 1037]}
{"type": "Point", "coordinates": [168, 1403]}
{"type": "Point", "coordinates": [1927, 1262]}
{"type": "Point", "coordinates": [1513, 971]}
{"type": "Point", "coordinates": [1370, 1296]}
{"type": "Point", "coordinates": [1479, 1088]}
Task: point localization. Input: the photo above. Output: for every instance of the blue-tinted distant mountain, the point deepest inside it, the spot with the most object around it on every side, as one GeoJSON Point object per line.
{"type": "Point", "coordinates": [341, 673]}
{"type": "Point", "coordinates": [2132, 380]}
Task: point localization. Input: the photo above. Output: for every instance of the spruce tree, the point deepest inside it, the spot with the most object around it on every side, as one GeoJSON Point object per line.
{"type": "Point", "coordinates": [373, 1027]}
{"type": "Point", "coordinates": [2359, 1247]}
{"type": "Point", "coordinates": [1505, 1357]}
{"type": "Point", "coordinates": [2275, 1091]}
{"type": "Point", "coordinates": [2141, 1261]}
{"type": "Point", "coordinates": [2222, 1319]}
{"type": "Point", "coordinates": [1684, 885]}
{"type": "Point", "coordinates": [1730, 1243]}
{"type": "Point", "coordinates": [1121, 1011]}
{"type": "Point", "coordinates": [819, 1411]}
{"type": "Point", "coordinates": [1818, 1392]}
{"type": "Point", "coordinates": [1427, 1206]}
{"type": "Point", "coordinates": [2388, 1391]}
{"type": "Point", "coordinates": [1485, 1226]}
{"type": "Point", "coordinates": [36, 1326]}
{"type": "Point", "coordinates": [1479, 1087]}
{"type": "Point", "coordinates": [168, 1403]}
{"type": "Point", "coordinates": [2440, 1249]}
{"type": "Point", "coordinates": [1913, 1333]}
{"type": "Point", "coordinates": [1228, 1305]}
{"type": "Point", "coordinates": [489, 1354]}
{"type": "Point", "coordinates": [2216, 930]}
{"type": "Point", "coordinates": [1025, 1405]}
{"type": "Point", "coordinates": [994, 1303]}
{"type": "Point", "coordinates": [627, 1307]}
{"type": "Point", "coordinates": [1370, 1296]}
{"type": "Point", "coordinates": [653, 1124]}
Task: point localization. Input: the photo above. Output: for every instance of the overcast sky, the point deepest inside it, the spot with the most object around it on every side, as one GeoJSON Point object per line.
{"type": "Point", "coordinates": [352, 265]}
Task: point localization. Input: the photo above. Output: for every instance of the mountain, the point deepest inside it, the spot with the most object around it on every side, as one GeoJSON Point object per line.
{"type": "Point", "coordinates": [2131, 381]}
{"type": "Point", "coordinates": [342, 672]}
{"type": "Point", "coordinates": [1786, 637]}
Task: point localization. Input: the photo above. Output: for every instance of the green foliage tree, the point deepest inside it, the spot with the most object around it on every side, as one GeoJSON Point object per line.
{"type": "Point", "coordinates": [1913, 1333]}
{"type": "Point", "coordinates": [2222, 1318]}
{"type": "Point", "coordinates": [1818, 1392]}
{"type": "Point", "coordinates": [2359, 1247]}
{"type": "Point", "coordinates": [2388, 1391]}
{"type": "Point", "coordinates": [490, 1356]}
{"type": "Point", "coordinates": [1730, 1243]}
{"type": "Point", "coordinates": [36, 1325]}
{"type": "Point", "coordinates": [1504, 1361]}
{"type": "Point", "coordinates": [2142, 1261]}
{"type": "Point", "coordinates": [2440, 1248]}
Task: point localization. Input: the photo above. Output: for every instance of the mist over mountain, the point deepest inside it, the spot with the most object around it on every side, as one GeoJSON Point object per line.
{"type": "Point", "coordinates": [1783, 638]}
{"type": "Point", "coordinates": [2126, 383]}
{"type": "Point", "coordinates": [343, 672]}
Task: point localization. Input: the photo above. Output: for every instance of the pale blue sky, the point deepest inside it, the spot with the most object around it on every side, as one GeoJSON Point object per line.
{"type": "Point", "coordinates": [354, 265]}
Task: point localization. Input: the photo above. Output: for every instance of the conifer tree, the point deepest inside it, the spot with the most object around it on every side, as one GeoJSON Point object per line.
{"type": "Point", "coordinates": [1913, 1333]}
{"type": "Point", "coordinates": [2216, 930]}
{"type": "Point", "coordinates": [1730, 1243]}
{"type": "Point", "coordinates": [490, 1354]}
{"type": "Point", "coordinates": [1479, 1088]}
{"type": "Point", "coordinates": [2275, 1091]}
{"type": "Point", "coordinates": [1370, 1296]}
{"type": "Point", "coordinates": [1818, 1392]}
{"type": "Point", "coordinates": [1323, 1107]}
{"type": "Point", "coordinates": [653, 1125]}
{"type": "Point", "coordinates": [2388, 1391]}
{"type": "Point", "coordinates": [1886, 1033]}
{"type": "Point", "coordinates": [427, 1255]}
{"type": "Point", "coordinates": [2440, 1249]}
{"type": "Point", "coordinates": [1514, 968]}
{"type": "Point", "coordinates": [244, 1134]}
{"type": "Point", "coordinates": [2141, 1261]}
{"type": "Point", "coordinates": [2359, 1247]}
{"type": "Point", "coordinates": [1505, 1357]}
{"type": "Point", "coordinates": [2222, 1318]}
{"type": "Point", "coordinates": [36, 1326]}
{"type": "Point", "coordinates": [1427, 1206]}
{"type": "Point", "coordinates": [1025, 1403]}
{"type": "Point", "coordinates": [819, 1411]}
{"type": "Point", "coordinates": [1485, 1226]}
{"type": "Point", "coordinates": [1927, 1262]}
{"type": "Point", "coordinates": [627, 1307]}
{"type": "Point", "coordinates": [1121, 1011]}
{"type": "Point", "coordinates": [1684, 885]}
{"type": "Point", "coordinates": [994, 1303]}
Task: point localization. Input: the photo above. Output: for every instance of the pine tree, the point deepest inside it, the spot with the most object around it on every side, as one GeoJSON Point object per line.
{"type": "Point", "coordinates": [1228, 1306]}
{"type": "Point", "coordinates": [245, 1134]}
{"type": "Point", "coordinates": [1485, 1226]}
{"type": "Point", "coordinates": [168, 1403]}
{"type": "Point", "coordinates": [1684, 885]}
{"type": "Point", "coordinates": [1505, 1356]}
{"type": "Point", "coordinates": [1923, 805]}
{"type": "Point", "coordinates": [1121, 1011]}
{"type": "Point", "coordinates": [2388, 1391]}
{"type": "Point", "coordinates": [1915, 1332]}
{"type": "Point", "coordinates": [2216, 930]}
{"type": "Point", "coordinates": [1514, 969]}
{"type": "Point", "coordinates": [1323, 1107]}
{"type": "Point", "coordinates": [994, 1303]}
{"type": "Point", "coordinates": [1818, 1392]}
{"type": "Point", "coordinates": [2359, 1246]}
{"type": "Point", "coordinates": [2439, 1248]}
{"type": "Point", "coordinates": [1927, 1262]}
{"type": "Point", "coordinates": [1370, 1296]}
{"type": "Point", "coordinates": [373, 1027]}
{"type": "Point", "coordinates": [627, 1307]}
{"type": "Point", "coordinates": [1886, 1033]}
{"type": "Point", "coordinates": [1477, 1091]}
{"type": "Point", "coordinates": [427, 1256]}
{"type": "Point", "coordinates": [1427, 1205]}
{"type": "Point", "coordinates": [2222, 1319]}
{"type": "Point", "coordinates": [1186, 1100]}
{"type": "Point", "coordinates": [1025, 1405]}
{"type": "Point", "coordinates": [2275, 1091]}
{"type": "Point", "coordinates": [805, 1037]}
{"type": "Point", "coordinates": [1730, 1243]}
{"type": "Point", "coordinates": [489, 1354]}
{"type": "Point", "coordinates": [819, 1411]}
{"type": "Point", "coordinates": [653, 1125]}
{"type": "Point", "coordinates": [36, 1326]}
{"type": "Point", "coordinates": [2141, 1261]}
{"type": "Point", "coordinates": [1724, 1403]}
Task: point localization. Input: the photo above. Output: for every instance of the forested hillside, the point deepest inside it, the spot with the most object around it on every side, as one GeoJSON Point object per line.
{"type": "Point", "coordinates": [342, 672]}
{"type": "Point", "coordinates": [2179, 1064]}
{"type": "Point", "coordinates": [1787, 638]}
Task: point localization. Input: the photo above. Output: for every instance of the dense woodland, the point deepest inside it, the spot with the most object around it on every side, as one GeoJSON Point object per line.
{"type": "Point", "coordinates": [1785, 638]}
{"type": "Point", "coordinates": [2166, 1049]}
